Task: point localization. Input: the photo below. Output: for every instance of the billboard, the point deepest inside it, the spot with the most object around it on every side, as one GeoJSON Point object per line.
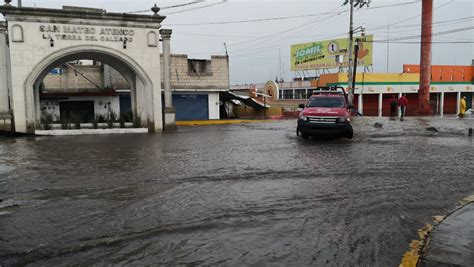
{"type": "Point", "coordinates": [322, 54]}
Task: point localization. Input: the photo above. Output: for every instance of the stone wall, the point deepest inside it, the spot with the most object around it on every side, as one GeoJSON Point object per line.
{"type": "Point", "coordinates": [66, 79]}
{"type": "Point", "coordinates": [113, 79]}
{"type": "Point", "coordinates": [199, 74]}
{"type": "Point", "coordinates": [189, 74]}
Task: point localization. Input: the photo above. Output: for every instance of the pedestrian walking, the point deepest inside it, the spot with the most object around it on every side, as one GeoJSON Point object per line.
{"type": "Point", "coordinates": [462, 107]}
{"type": "Point", "coordinates": [402, 103]}
{"type": "Point", "coordinates": [393, 106]}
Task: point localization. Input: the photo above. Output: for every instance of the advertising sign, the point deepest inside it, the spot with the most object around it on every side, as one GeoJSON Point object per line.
{"type": "Point", "coordinates": [327, 54]}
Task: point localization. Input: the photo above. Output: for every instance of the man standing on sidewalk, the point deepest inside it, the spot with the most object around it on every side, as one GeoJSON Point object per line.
{"type": "Point", "coordinates": [403, 103]}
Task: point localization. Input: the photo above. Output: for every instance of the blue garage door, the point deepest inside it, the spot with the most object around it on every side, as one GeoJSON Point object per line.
{"type": "Point", "coordinates": [191, 107]}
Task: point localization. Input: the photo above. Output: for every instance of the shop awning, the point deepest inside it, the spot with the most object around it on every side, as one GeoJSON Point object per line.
{"type": "Point", "coordinates": [247, 100]}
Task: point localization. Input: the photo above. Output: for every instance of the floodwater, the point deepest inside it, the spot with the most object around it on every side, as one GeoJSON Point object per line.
{"type": "Point", "coordinates": [231, 195]}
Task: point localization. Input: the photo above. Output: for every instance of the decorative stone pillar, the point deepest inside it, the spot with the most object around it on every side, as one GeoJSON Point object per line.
{"type": "Point", "coordinates": [169, 111]}
{"type": "Point", "coordinates": [4, 70]}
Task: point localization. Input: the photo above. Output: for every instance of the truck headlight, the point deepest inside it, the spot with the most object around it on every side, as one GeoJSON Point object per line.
{"type": "Point", "coordinates": [303, 118]}
{"type": "Point", "coordinates": [343, 119]}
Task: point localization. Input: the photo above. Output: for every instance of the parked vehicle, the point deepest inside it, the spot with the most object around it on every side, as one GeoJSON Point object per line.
{"type": "Point", "coordinates": [327, 113]}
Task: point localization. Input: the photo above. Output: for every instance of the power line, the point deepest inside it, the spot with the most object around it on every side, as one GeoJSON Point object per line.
{"type": "Point", "coordinates": [432, 42]}
{"type": "Point", "coordinates": [168, 7]}
{"type": "Point", "coordinates": [406, 19]}
{"type": "Point", "coordinates": [279, 18]}
{"type": "Point", "coordinates": [419, 36]}
{"type": "Point", "coordinates": [196, 8]}
{"type": "Point", "coordinates": [287, 30]}
{"type": "Point", "coordinates": [419, 25]}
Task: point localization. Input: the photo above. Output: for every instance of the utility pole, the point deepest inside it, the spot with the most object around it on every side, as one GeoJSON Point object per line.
{"type": "Point", "coordinates": [388, 46]}
{"type": "Point", "coordinates": [425, 60]}
{"type": "Point", "coordinates": [351, 44]}
{"type": "Point", "coordinates": [360, 4]}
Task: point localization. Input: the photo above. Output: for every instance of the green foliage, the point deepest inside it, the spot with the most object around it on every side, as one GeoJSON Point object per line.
{"type": "Point", "coordinates": [66, 123]}
{"type": "Point", "coordinates": [76, 119]}
{"type": "Point", "coordinates": [137, 121]}
{"type": "Point", "coordinates": [100, 118]}
{"type": "Point", "coordinates": [46, 121]}
{"type": "Point", "coordinates": [122, 119]}
{"type": "Point", "coordinates": [95, 122]}
{"type": "Point", "coordinates": [111, 118]}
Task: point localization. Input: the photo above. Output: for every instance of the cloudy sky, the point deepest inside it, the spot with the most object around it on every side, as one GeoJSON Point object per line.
{"type": "Point", "coordinates": [256, 48]}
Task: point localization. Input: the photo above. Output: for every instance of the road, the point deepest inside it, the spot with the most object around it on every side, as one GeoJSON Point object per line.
{"type": "Point", "coordinates": [230, 195]}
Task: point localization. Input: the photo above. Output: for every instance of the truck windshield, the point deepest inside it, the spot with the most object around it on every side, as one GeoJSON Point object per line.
{"type": "Point", "coordinates": [326, 102]}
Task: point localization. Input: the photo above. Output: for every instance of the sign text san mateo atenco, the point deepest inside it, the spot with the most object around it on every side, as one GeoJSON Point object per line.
{"type": "Point", "coordinates": [80, 33]}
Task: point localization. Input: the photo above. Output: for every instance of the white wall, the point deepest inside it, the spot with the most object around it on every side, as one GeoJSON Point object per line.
{"type": "Point", "coordinates": [102, 105]}
{"type": "Point", "coordinates": [214, 110]}
{"type": "Point", "coordinates": [4, 104]}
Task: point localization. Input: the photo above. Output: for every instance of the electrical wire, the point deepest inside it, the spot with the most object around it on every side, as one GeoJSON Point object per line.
{"type": "Point", "coordinates": [419, 36]}
{"type": "Point", "coordinates": [279, 18]}
{"type": "Point", "coordinates": [404, 20]}
{"type": "Point", "coordinates": [197, 8]}
{"type": "Point", "coordinates": [168, 7]}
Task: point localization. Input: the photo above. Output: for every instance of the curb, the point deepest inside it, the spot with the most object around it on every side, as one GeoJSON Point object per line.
{"type": "Point", "coordinates": [412, 257]}
{"type": "Point", "coordinates": [218, 122]}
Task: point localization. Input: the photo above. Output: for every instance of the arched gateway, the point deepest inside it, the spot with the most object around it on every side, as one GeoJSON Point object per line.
{"type": "Point", "coordinates": [35, 40]}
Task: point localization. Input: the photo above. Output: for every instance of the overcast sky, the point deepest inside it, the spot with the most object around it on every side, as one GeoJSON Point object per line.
{"type": "Point", "coordinates": [255, 47]}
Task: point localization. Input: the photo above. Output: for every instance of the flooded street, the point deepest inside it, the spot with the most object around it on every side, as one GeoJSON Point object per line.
{"type": "Point", "coordinates": [230, 195]}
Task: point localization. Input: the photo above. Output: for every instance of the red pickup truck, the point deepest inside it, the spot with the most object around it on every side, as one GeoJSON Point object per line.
{"type": "Point", "coordinates": [327, 113]}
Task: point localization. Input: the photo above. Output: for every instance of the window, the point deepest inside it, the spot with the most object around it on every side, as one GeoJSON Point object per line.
{"type": "Point", "coordinates": [199, 67]}
{"type": "Point", "coordinates": [300, 93]}
{"type": "Point", "coordinates": [287, 94]}
{"type": "Point", "coordinates": [327, 102]}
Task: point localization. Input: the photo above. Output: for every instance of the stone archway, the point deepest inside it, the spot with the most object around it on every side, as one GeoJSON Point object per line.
{"type": "Point", "coordinates": [139, 81]}
{"type": "Point", "coordinates": [42, 38]}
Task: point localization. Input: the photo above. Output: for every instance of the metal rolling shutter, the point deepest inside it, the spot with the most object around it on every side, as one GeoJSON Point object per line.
{"type": "Point", "coordinates": [191, 107]}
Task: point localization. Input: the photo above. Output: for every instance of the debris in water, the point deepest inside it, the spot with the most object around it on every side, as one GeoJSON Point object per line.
{"type": "Point", "coordinates": [432, 129]}
{"type": "Point", "coordinates": [378, 125]}
{"type": "Point", "coordinates": [469, 132]}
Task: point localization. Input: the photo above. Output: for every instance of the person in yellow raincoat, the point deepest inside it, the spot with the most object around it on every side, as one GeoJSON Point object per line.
{"type": "Point", "coordinates": [462, 107]}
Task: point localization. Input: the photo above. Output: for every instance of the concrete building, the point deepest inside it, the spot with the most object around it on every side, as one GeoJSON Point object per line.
{"type": "Point", "coordinates": [373, 91]}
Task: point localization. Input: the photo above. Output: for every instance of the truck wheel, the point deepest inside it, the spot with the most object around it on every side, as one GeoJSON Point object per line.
{"type": "Point", "coordinates": [299, 133]}
{"type": "Point", "coordinates": [350, 133]}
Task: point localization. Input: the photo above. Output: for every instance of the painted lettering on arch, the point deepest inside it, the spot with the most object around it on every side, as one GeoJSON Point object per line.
{"type": "Point", "coordinates": [86, 33]}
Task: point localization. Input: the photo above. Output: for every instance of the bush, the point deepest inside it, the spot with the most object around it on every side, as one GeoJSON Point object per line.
{"type": "Point", "coordinates": [112, 117]}
{"type": "Point", "coordinates": [65, 123]}
{"type": "Point", "coordinates": [122, 119]}
{"type": "Point", "coordinates": [137, 122]}
{"type": "Point", "coordinates": [95, 122]}
{"type": "Point", "coordinates": [100, 118]}
{"type": "Point", "coordinates": [76, 119]}
{"type": "Point", "coordinates": [46, 121]}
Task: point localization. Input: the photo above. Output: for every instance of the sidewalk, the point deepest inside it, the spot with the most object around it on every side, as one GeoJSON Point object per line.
{"type": "Point", "coordinates": [451, 243]}
{"type": "Point", "coordinates": [220, 122]}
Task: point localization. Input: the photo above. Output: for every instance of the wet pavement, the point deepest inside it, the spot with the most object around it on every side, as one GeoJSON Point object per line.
{"type": "Point", "coordinates": [230, 195]}
{"type": "Point", "coordinates": [452, 242]}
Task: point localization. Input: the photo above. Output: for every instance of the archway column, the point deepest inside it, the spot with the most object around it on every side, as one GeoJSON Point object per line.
{"type": "Point", "coordinates": [170, 113]}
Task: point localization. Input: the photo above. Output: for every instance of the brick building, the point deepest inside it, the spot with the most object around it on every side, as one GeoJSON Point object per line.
{"type": "Point", "coordinates": [98, 89]}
